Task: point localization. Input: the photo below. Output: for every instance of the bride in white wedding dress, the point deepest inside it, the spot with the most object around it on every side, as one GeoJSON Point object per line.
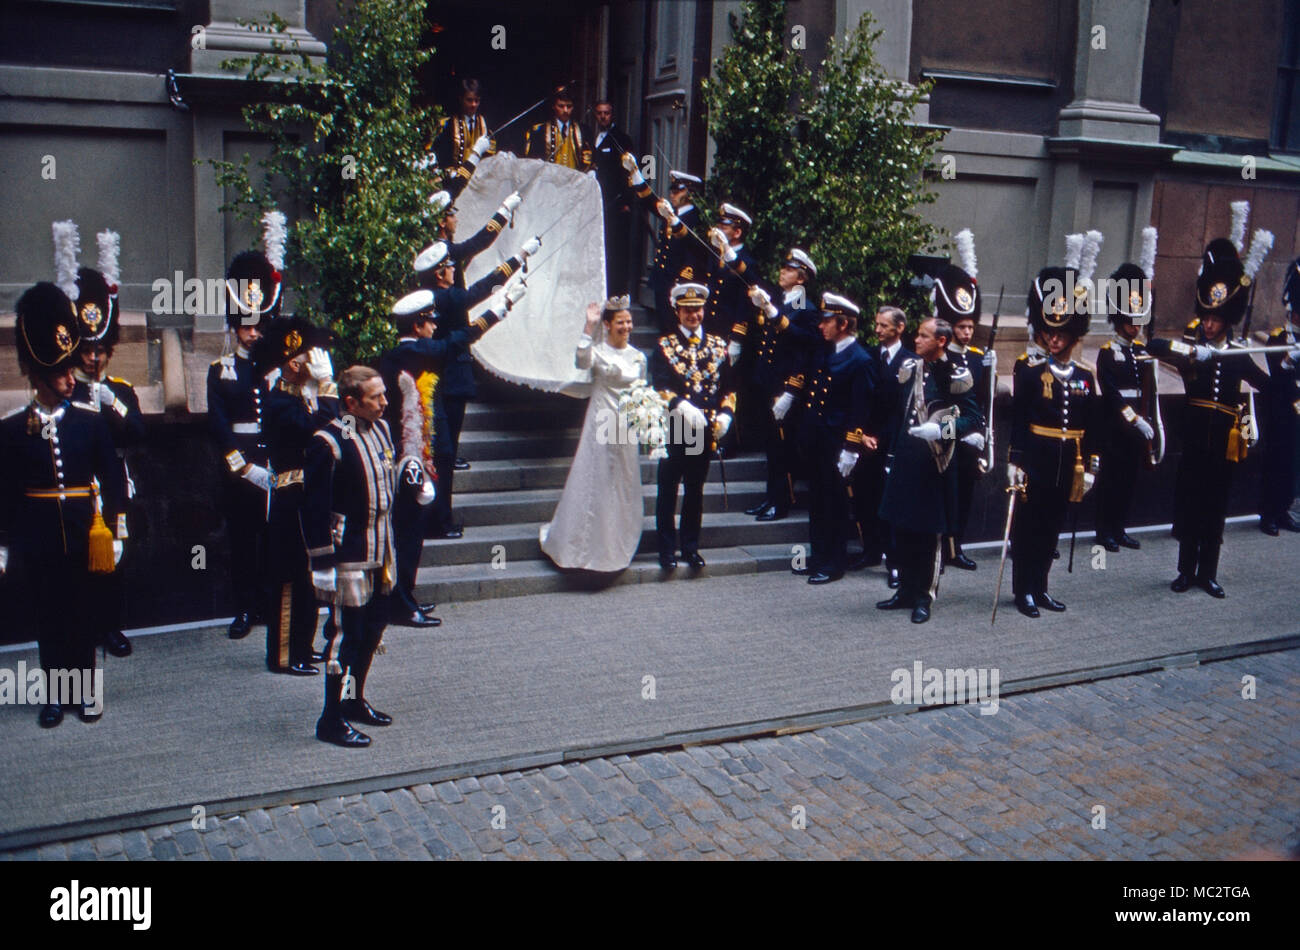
{"type": "Point", "coordinates": [597, 524]}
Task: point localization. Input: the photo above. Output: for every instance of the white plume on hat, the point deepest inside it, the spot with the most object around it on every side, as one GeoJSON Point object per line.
{"type": "Point", "coordinates": [110, 245]}
{"type": "Point", "coordinates": [1088, 259]}
{"type": "Point", "coordinates": [1073, 250]}
{"type": "Point", "coordinates": [965, 241]}
{"type": "Point", "coordinates": [67, 250]}
{"type": "Point", "coordinates": [1147, 260]}
{"type": "Point", "coordinates": [1237, 234]}
{"type": "Point", "coordinates": [274, 235]}
{"type": "Point", "coordinates": [1261, 242]}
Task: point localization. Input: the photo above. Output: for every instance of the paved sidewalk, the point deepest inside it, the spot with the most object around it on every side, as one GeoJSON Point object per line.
{"type": "Point", "coordinates": [1183, 766]}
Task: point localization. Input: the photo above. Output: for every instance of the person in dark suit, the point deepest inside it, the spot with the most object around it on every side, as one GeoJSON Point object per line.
{"type": "Point", "coordinates": [869, 479]}
{"type": "Point", "coordinates": [936, 409]}
{"type": "Point", "coordinates": [957, 301]}
{"type": "Point", "coordinates": [1122, 367]}
{"type": "Point", "coordinates": [560, 139]}
{"type": "Point", "coordinates": [838, 396]}
{"type": "Point", "coordinates": [785, 337]}
{"type": "Point", "coordinates": [237, 397]}
{"type": "Point", "coordinates": [1054, 433]}
{"type": "Point", "coordinates": [303, 399]}
{"type": "Point", "coordinates": [52, 456]}
{"type": "Point", "coordinates": [675, 249]}
{"type": "Point", "coordinates": [115, 400]}
{"type": "Point", "coordinates": [349, 485]}
{"type": "Point", "coordinates": [464, 134]}
{"type": "Point", "coordinates": [609, 144]}
{"type": "Point", "coordinates": [1213, 430]}
{"type": "Point", "coordinates": [436, 271]}
{"type": "Point", "coordinates": [1277, 486]}
{"type": "Point", "coordinates": [689, 368]}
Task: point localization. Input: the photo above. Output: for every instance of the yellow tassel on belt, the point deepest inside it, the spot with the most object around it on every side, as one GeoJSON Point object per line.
{"type": "Point", "coordinates": [101, 541]}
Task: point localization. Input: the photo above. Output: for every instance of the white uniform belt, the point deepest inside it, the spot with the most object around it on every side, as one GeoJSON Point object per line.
{"type": "Point", "coordinates": [1130, 393]}
{"type": "Point", "coordinates": [246, 428]}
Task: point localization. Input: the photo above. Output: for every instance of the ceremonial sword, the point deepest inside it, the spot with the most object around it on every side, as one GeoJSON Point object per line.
{"type": "Point", "coordinates": [1014, 491]}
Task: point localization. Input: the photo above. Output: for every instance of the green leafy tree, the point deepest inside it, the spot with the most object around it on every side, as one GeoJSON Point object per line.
{"type": "Point", "coordinates": [347, 138]}
{"type": "Point", "coordinates": [840, 170]}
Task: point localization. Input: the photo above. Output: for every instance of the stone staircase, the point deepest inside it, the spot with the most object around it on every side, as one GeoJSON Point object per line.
{"type": "Point", "coordinates": [520, 444]}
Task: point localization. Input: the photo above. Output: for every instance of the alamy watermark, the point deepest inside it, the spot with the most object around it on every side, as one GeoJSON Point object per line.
{"type": "Point", "coordinates": [931, 686]}
{"type": "Point", "coordinates": [32, 687]}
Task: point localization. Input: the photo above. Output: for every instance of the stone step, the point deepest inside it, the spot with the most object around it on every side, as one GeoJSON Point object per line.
{"type": "Point", "coordinates": [511, 474]}
{"type": "Point", "coordinates": [504, 444]}
{"type": "Point", "coordinates": [480, 581]}
{"type": "Point", "coordinates": [530, 412]}
{"type": "Point", "coordinates": [538, 504]}
{"type": "Point", "coordinates": [518, 542]}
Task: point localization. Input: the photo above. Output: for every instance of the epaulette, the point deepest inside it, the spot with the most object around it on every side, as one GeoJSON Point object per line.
{"type": "Point", "coordinates": [121, 382]}
{"type": "Point", "coordinates": [1106, 345]}
{"type": "Point", "coordinates": [227, 361]}
{"type": "Point", "coordinates": [975, 349]}
{"type": "Point", "coordinates": [1031, 360]}
{"type": "Point", "coordinates": [1278, 332]}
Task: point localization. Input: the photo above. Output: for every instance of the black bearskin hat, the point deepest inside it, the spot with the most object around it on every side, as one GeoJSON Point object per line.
{"type": "Point", "coordinates": [45, 331]}
{"type": "Point", "coordinates": [97, 315]}
{"type": "Point", "coordinates": [1058, 301]}
{"type": "Point", "coordinates": [1222, 287]}
{"type": "Point", "coordinates": [252, 291]}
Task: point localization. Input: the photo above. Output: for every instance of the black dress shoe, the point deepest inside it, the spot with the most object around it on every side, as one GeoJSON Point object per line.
{"type": "Point", "coordinates": [1049, 603]}
{"type": "Point", "coordinates": [772, 513]}
{"type": "Point", "coordinates": [694, 561]}
{"type": "Point", "coordinates": [358, 710]}
{"type": "Point", "coordinates": [757, 509]}
{"type": "Point", "coordinates": [1181, 583]}
{"type": "Point", "coordinates": [1126, 540]}
{"type": "Point", "coordinates": [920, 613]}
{"type": "Point", "coordinates": [50, 716]}
{"type": "Point", "coordinates": [416, 618]}
{"type": "Point", "coordinates": [340, 732]}
{"type": "Point", "coordinates": [897, 602]}
{"type": "Point", "coordinates": [1026, 606]}
{"type": "Point", "coordinates": [893, 579]}
{"type": "Point", "coordinates": [87, 714]}
{"type": "Point", "coordinates": [1110, 544]}
{"type": "Point", "coordinates": [428, 608]}
{"type": "Point", "coordinates": [963, 562]}
{"type": "Point", "coordinates": [116, 644]}
{"type": "Point", "coordinates": [302, 669]}
{"type": "Point", "coordinates": [821, 577]}
{"type": "Point", "coordinates": [460, 466]}
{"type": "Point", "coordinates": [668, 563]}
{"type": "Point", "coordinates": [1269, 528]}
{"type": "Point", "coordinates": [240, 626]}
{"type": "Point", "coordinates": [1211, 587]}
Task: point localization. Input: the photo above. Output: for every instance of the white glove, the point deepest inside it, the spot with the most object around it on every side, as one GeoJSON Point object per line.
{"type": "Point", "coordinates": [530, 247]}
{"type": "Point", "coordinates": [510, 204]}
{"type": "Point", "coordinates": [106, 396]}
{"type": "Point", "coordinates": [1089, 480]}
{"type": "Point", "coordinates": [481, 145]}
{"type": "Point", "coordinates": [733, 352]}
{"type": "Point", "coordinates": [259, 476]}
{"type": "Point", "coordinates": [117, 552]}
{"type": "Point", "coordinates": [1145, 428]}
{"type": "Point", "coordinates": [515, 293]}
{"type": "Point", "coordinates": [427, 493]}
{"type": "Point", "coordinates": [665, 211]}
{"type": "Point", "coordinates": [323, 581]}
{"type": "Point", "coordinates": [1203, 353]}
{"type": "Point", "coordinates": [1015, 475]}
{"type": "Point", "coordinates": [926, 431]}
{"type": "Point", "coordinates": [781, 405]}
{"type": "Point", "coordinates": [976, 439]}
{"type": "Point", "coordinates": [319, 365]}
{"type": "Point", "coordinates": [721, 425]}
{"type": "Point", "coordinates": [717, 238]}
{"type": "Point", "coordinates": [628, 161]}
{"type": "Point", "coordinates": [846, 462]}
{"type": "Point", "coordinates": [4, 560]}
{"type": "Point", "coordinates": [728, 254]}
{"type": "Point", "coordinates": [691, 415]}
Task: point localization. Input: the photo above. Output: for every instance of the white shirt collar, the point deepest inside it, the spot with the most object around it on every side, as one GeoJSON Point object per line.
{"type": "Point", "coordinates": [241, 351]}
{"type": "Point", "coordinates": [891, 351]}
{"type": "Point", "coordinates": [1059, 371]}
{"type": "Point", "coordinates": [697, 333]}
{"type": "Point", "coordinates": [957, 348]}
{"type": "Point", "coordinates": [844, 344]}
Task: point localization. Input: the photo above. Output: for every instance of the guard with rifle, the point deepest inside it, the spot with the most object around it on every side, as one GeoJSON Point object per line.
{"type": "Point", "coordinates": [1053, 429]}
{"type": "Point", "coordinates": [1132, 431]}
{"type": "Point", "coordinates": [1215, 426]}
{"type": "Point", "coordinates": [956, 299]}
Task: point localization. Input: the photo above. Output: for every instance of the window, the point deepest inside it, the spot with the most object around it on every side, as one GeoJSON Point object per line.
{"type": "Point", "coordinates": [1286, 112]}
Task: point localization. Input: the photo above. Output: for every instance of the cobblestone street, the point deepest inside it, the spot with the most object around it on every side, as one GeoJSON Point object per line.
{"type": "Point", "coordinates": [1183, 766]}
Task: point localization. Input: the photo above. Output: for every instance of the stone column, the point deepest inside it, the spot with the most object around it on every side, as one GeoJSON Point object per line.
{"type": "Point", "coordinates": [224, 38]}
{"type": "Point", "coordinates": [1108, 75]}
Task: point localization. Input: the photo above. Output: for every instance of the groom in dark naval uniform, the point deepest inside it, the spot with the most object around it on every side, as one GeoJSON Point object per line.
{"type": "Point", "coordinates": [690, 370]}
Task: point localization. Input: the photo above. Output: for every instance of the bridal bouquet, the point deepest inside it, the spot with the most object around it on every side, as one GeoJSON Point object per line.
{"type": "Point", "coordinates": [646, 413]}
